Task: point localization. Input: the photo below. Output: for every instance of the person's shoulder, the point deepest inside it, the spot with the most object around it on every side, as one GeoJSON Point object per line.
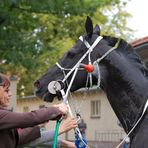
{"type": "Point", "coordinates": [2, 108]}
{"type": "Point", "coordinates": [6, 109]}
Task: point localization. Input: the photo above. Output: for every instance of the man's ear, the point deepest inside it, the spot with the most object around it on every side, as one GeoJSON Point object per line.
{"type": "Point", "coordinates": [97, 30]}
{"type": "Point", "coordinates": [89, 26]}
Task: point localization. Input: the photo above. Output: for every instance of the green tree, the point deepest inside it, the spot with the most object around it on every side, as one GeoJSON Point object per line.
{"type": "Point", "coordinates": [34, 34]}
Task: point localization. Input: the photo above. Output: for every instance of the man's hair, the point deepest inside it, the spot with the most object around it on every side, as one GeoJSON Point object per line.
{"type": "Point", "coordinates": [4, 80]}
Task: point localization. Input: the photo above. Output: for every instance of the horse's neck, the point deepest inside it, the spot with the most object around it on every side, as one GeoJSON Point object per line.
{"type": "Point", "coordinates": [125, 86]}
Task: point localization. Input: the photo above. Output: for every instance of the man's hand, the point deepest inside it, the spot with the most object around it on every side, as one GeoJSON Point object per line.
{"type": "Point", "coordinates": [68, 144]}
{"type": "Point", "coordinates": [67, 125]}
{"type": "Point", "coordinates": [62, 107]}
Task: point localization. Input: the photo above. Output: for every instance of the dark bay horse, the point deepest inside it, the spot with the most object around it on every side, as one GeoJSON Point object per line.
{"type": "Point", "coordinates": [123, 78]}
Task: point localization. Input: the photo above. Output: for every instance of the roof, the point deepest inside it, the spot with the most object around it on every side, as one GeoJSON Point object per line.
{"type": "Point", "coordinates": [139, 41]}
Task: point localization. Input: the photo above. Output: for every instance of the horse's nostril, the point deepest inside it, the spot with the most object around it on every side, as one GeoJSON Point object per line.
{"type": "Point", "coordinates": [37, 84]}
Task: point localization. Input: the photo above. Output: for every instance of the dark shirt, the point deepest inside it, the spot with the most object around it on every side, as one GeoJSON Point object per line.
{"type": "Point", "coordinates": [82, 126]}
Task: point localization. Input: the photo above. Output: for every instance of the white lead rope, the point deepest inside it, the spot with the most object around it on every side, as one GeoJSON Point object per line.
{"type": "Point", "coordinates": [144, 110]}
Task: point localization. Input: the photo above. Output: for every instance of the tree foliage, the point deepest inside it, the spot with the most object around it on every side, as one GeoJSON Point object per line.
{"type": "Point", "coordinates": [35, 33]}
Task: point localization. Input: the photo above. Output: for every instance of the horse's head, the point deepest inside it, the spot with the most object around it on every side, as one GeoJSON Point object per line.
{"type": "Point", "coordinates": [68, 61]}
{"type": "Point", "coordinates": [89, 47]}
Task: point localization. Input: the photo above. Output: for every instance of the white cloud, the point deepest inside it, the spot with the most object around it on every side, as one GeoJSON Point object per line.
{"type": "Point", "coordinates": [139, 22]}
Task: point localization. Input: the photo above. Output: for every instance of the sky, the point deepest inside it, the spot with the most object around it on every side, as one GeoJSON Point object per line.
{"type": "Point", "coordinates": [139, 21]}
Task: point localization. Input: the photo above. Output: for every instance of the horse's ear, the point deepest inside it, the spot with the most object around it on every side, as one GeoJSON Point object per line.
{"type": "Point", "coordinates": [97, 29]}
{"type": "Point", "coordinates": [89, 26]}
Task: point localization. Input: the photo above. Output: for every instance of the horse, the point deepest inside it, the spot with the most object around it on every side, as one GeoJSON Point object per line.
{"type": "Point", "coordinates": [123, 78]}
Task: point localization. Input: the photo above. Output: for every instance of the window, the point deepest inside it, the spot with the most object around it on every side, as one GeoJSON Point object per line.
{"type": "Point", "coordinates": [25, 109]}
{"type": "Point", "coordinates": [95, 108]}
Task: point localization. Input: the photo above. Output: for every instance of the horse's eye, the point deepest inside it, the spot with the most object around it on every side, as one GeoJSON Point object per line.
{"type": "Point", "coordinates": [37, 84]}
{"type": "Point", "coordinates": [71, 54]}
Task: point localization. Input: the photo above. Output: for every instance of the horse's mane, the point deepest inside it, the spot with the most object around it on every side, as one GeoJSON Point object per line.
{"type": "Point", "coordinates": [123, 45]}
{"type": "Point", "coordinates": [127, 49]}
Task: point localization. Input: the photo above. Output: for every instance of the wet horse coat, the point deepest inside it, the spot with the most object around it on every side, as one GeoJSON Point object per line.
{"type": "Point", "coordinates": [124, 79]}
